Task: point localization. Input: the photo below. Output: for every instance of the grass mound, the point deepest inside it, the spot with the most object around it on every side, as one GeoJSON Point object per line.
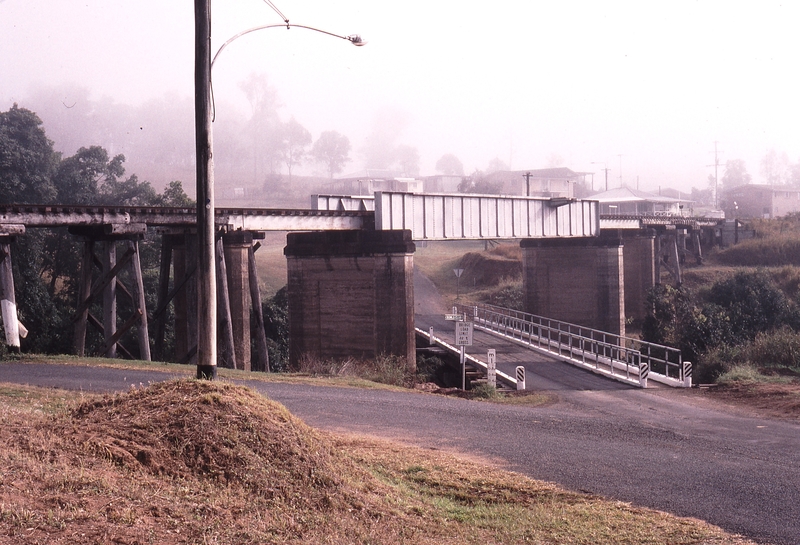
{"type": "Point", "coordinates": [226, 433]}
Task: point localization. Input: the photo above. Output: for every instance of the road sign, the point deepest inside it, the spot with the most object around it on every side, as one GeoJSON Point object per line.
{"type": "Point", "coordinates": [491, 367]}
{"type": "Point", "coordinates": [463, 333]}
{"type": "Point", "coordinates": [454, 317]}
{"type": "Point", "coordinates": [458, 272]}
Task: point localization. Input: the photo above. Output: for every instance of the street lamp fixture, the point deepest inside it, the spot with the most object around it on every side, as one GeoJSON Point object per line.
{"type": "Point", "coordinates": [206, 210]}
{"type": "Point", "coordinates": [354, 39]}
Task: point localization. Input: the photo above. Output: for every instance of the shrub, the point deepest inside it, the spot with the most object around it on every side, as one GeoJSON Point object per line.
{"type": "Point", "coordinates": [762, 252]}
{"type": "Point", "coordinates": [276, 327]}
{"type": "Point", "coordinates": [753, 303]}
{"type": "Point", "coordinates": [429, 368]}
{"type": "Point", "coordinates": [777, 349]}
{"type": "Point", "coordinates": [484, 390]}
{"type": "Point", "coordinates": [384, 369]}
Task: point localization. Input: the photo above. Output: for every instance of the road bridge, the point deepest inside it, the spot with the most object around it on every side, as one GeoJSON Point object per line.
{"type": "Point", "coordinates": [518, 337]}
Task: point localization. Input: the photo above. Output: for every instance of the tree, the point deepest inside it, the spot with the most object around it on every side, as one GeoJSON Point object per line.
{"type": "Point", "coordinates": [295, 138]}
{"type": "Point", "coordinates": [735, 174]}
{"type": "Point", "coordinates": [496, 165]}
{"type": "Point", "coordinates": [555, 160]}
{"type": "Point", "coordinates": [380, 151]}
{"type": "Point", "coordinates": [78, 178]}
{"type": "Point", "coordinates": [450, 165]}
{"type": "Point", "coordinates": [128, 192]}
{"type": "Point", "coordinates": [774, 167]}
{"type": "Point", "coordinates": [332, 150]}
{"type": "Point", "coordinates": [174, 195]}
{"type": "Point", "coordinates": [27, 159]}
{"type": "Point", "coordinates": [407, 160]}
{"type": "Point", "coordinates": [477, 183]}
{"type": "Point", "coordinates": [794, 174]}
{"type": "Point", "coordinates": [264, 126]}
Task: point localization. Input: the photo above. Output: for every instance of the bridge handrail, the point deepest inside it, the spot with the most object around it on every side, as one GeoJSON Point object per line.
{"type": "Point", "coordinates": [661, 360]}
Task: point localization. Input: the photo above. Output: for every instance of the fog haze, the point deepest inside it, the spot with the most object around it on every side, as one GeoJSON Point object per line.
{"type": "Point", "coordinates": [645, 86]}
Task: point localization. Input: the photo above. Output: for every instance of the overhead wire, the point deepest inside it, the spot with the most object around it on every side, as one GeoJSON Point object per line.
{"type": "Point", "coordinates": [275, 8]}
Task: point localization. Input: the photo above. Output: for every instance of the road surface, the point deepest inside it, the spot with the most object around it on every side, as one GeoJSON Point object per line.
{"type": "Point", "coordinates": [665, 449]}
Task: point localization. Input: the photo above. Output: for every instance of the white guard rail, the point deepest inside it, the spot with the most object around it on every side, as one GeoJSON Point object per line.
{"type": "Point", "coordinates": [475, 362]}
{"type": "Point", "coordinates": [623, 358]}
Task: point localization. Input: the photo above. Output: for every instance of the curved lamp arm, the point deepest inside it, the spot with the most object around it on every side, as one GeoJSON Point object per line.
{"type": "Point", "coordinates": [354, 39]}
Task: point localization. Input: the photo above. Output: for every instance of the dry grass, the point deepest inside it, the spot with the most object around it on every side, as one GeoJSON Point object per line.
{"type": "Point", "coordinates": [196, 462]}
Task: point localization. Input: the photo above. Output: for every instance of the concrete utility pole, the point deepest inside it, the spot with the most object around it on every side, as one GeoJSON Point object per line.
{"type": "Point", "coordinates": [605, 169]}
{"type": "Point", "coordinates": [207, 279]}
{"type": "Point", "coordinates": [716, 175]}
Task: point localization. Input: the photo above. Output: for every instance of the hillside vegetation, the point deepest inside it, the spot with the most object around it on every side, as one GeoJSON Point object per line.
{"type": "Point", "coordinates": [737, 318]}
{"type": "Point", "coordinates": [491, 275]}
{"type": "Point", "coordinates": [200, 462]}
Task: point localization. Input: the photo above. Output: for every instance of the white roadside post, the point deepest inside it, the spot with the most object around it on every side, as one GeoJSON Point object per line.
{"type": "Point", "coordinates": [491, 367]}
{"type": "Point", "coordinates": [463, 338]}
{"type": "Point", "coordinates": [430, 336]}
{"type": "Point", "coordinates": [520, 377]}
{"type": "Point", "coordinates": [687, 374]}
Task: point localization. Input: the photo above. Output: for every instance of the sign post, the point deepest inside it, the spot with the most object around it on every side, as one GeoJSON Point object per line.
{"type": "Point", "coordinates": [458, 273]}
{"type": "Point", "coordinates": [491, 367]}
{"type": "Point", "coordinates": [463, 338]}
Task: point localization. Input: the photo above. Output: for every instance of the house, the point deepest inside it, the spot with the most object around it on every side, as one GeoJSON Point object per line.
{"type": "Point", "coordinates": [760, 201]}
{"type": "Point", "coordinates": [543, 182]}
{"type": "Point", "coordinates": [368, 181]}
{"type": "Point", "coordinates": [442, 183]}
{"type": "Point", "coordinates": [625, 201]}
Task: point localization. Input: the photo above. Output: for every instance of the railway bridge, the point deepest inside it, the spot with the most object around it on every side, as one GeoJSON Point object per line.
{"type": "Point", "coordinates": [350, 265]}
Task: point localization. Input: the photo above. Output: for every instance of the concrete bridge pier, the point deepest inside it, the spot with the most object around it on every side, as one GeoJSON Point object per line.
{"type": "Point", "coordinates": [576, 280]}
{"type": "Point", "coordinates": [351, 293]}
{"type": "Point", "coordinates": [639, 251]}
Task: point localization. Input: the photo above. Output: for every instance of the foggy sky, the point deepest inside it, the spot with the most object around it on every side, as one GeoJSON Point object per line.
{"type": "Point", "coordinates": [656, 83]}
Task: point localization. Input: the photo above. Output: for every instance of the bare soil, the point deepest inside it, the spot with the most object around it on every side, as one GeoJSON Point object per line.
{"type": "Point", "coordinates": [772, 399]}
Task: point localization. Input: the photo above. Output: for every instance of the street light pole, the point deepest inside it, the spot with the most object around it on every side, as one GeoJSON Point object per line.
{"type": "Point", "coordinates": [207, 278]}
{"type": "Point", "coordinates": [204, 150]}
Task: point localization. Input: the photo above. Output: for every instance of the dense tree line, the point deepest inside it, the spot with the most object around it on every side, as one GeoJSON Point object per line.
{"type": "Point", "coordinates": [47, 261]}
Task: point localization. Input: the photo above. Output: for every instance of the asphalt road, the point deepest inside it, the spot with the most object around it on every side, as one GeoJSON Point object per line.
{"type": "Point", "coordinates": [665, 449]}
